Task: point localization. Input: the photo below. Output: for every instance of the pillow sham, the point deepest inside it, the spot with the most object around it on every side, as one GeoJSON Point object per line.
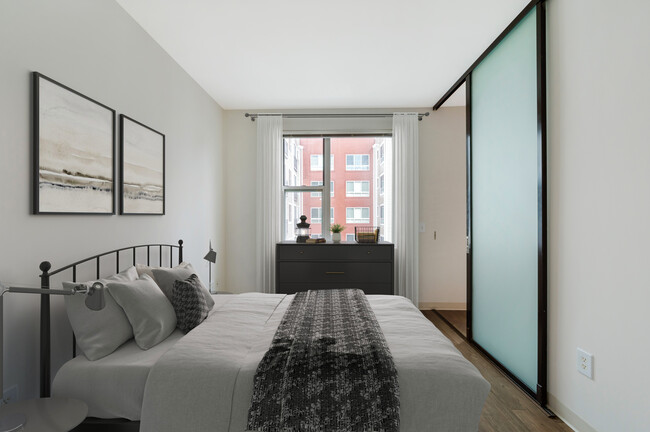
{"type": "Point", "coordinates": [101, 332]}
{"type": "Point", "coordinates": [151, 315]}
{"type": "Point", "coordinates": [143, 269]}
{"type": "Point", "coordinates": [165, 278]}
{"type": "Point", "coordinates": [189, 303]}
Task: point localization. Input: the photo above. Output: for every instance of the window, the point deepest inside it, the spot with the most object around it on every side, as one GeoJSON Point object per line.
{"type": "Point", "coordinates": [357, 188]}
{"type": "Point", "coordinates": [316, 215]}
{"type": "Point", "coordinates": [381, 184]}
{"type": "Point", "coordinates": [357, 162]}
{"type": "Point", "coordinates": [357, 215]}
{"type": "Point", "coordinates": [381, 214]}
{"type": "Point", "coordinates": [320, 183]}
{"type": "Point", "coordinates": [349, 237]}
{"type": "Point", "coordinates": [381, 153]}
{"type": "Point", "coordinates": [316, 162]}
{"type": "Point", "coordinates": [308, 190]}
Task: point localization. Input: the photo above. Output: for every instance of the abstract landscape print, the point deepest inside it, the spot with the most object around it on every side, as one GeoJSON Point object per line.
{"type": "Point", "coordinates": [143, 168]}
{"type": "Point", "coordinates": [74, 151]}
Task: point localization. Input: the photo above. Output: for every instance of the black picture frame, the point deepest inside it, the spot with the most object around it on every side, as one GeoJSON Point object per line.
{"type": "Point", "coordinates": [136, 198]}
{"type": "Point", "coordinates": [73, 145]}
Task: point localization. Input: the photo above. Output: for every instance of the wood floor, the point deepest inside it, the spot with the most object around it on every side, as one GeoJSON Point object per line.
{"type": "Point", "coordinates": [507, 408]}
{"type": "Point", "coordinates": [457, 318]}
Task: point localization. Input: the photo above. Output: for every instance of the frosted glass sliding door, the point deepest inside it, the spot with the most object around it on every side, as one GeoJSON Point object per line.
{"type": "Point", "coordinates": [505, 233]}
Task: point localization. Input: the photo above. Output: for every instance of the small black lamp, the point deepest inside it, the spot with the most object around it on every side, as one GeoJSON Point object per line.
{"type": "Point", "coordinates": [302, 230]}
{"type": "Point", "coordinates": [211, 257]}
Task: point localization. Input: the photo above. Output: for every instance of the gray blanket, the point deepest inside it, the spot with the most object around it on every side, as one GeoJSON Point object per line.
{"type": "Point", "coordinates": [328, 369]}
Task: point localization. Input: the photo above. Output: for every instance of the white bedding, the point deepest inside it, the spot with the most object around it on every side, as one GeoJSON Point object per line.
{"type": "Point", "coordinates": [204, 382]}
{"type": "Point", "coordinates": [113, 386]}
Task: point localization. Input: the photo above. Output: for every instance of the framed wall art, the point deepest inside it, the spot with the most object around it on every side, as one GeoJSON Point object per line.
{"type": "Point", "coordinates": [142, 157]}
{"type": "Point", "coordinates": [74, 151]}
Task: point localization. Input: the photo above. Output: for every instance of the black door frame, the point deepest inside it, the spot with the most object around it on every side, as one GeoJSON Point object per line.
{"type": "Point", "coordinates": [540, 393]}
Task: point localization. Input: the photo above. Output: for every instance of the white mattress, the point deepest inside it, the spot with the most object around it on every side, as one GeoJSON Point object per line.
{"type": "Point", "coordinates": [216, 362]}
{"type": "Point", "coordinates": [113, 386]}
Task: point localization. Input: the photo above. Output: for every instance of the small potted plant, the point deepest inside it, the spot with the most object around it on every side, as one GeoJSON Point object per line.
{"type": "Point", "coordinates": [336, 232]}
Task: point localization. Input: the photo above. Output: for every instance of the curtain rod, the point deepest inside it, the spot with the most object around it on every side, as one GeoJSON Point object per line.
{"type": "Point", "coordinates": [300, 116]}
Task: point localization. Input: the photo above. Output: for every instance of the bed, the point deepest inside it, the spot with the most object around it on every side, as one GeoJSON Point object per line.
{"type": "Point", "coordinates": [204, 380]}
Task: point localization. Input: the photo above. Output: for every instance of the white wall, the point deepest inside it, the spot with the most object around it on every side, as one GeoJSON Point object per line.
{"type": "Point", "coordinates": [97, 49]}
{"type": "Point", "coordinates": [599, 211]}
{"type": "Point", "coordinates": [443, 204]}
{"type": "Point", "coordinates": [442, 196]}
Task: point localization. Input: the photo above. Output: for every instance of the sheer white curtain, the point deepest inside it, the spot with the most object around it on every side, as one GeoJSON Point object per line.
{"type": "Point", "coordinates": [269, 198]}
{"type": "Point", "coordinates": [406, 204]}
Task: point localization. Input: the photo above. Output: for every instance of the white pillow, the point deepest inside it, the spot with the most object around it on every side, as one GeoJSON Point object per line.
{"type": "Point", "coordinates": [101, 332]}
{"type": "Point", "coordinates": [143, 269]}
{"type": "Point", "coordinates": [151, 315]}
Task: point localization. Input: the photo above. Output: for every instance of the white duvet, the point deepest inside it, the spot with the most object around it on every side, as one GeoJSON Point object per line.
{"type": "Point", "coordinates": [204, 381]}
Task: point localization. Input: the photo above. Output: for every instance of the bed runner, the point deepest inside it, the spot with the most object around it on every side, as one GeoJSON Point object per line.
{"type": "Point", "coordinates": [328, 369]}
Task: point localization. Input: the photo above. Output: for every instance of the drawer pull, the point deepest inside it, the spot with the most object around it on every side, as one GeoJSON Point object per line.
{"type": "Point", "coordinates": [369, 252]}
{"type": "Point", "coordinates": [301, 252]}
{"type": "Point", "coordinates": [335, 273]}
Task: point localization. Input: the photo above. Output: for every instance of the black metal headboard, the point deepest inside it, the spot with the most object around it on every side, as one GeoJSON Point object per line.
{"type": "Point", "coordinates": [45, 267]}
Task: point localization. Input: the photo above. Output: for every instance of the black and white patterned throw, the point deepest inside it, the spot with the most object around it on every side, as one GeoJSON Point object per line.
{"type": "Point", "coordinates": [189, 303]}
{"type": "Point", "coordinates": [328, 369]}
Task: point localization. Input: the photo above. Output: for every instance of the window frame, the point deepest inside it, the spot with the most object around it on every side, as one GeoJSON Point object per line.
{"type": "Point", "coordinates": [355, 166]}
{"type": "Point", "coordinates": [361, 194]}
{"type": "Point", "coordinates": [354, 219]}
{"type": "Point", "coordinates": [328, 167]}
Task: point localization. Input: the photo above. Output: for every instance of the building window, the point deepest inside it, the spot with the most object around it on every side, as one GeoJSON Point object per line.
{"type": "Point", "coordinates": [357, 162]}
{"type": "Point", "coordinates": [357, 188]}
{"type": "Point", "coordinates": [349, 237]}
{"type": "Point", "coordinates": [316, 162]}
{"type": "Point", "coordinates": [381, 184]}
{"type": "Point", "coordinates": [316, 215]}
{"type": "Point", "coordinates": [381, 214]}
{"type": "Point", "coordinates": [357, 215]}
{"type": "Point", "coordinates": [320, 183]}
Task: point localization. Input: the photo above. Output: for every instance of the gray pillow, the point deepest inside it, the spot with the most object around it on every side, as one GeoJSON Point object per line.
{"type": "Point", "coordinates": [150, 313]}
{"type": "Point", "coordinates": [189, 303]}
{"type": "Point", "coordinates": [165, 278]}
{"type": "Point", "coordinates": [101, 332]}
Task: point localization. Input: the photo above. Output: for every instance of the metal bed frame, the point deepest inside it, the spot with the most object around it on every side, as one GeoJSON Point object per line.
{"type": "Point", "coordinates": [45, 347]}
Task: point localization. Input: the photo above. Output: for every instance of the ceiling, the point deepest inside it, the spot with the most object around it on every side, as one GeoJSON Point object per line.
{"type": "Point", "coordinates": [304, 54]}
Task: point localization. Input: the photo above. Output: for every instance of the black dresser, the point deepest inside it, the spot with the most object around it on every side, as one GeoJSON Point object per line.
{"type": "Point", "coordinates": [367, 266]}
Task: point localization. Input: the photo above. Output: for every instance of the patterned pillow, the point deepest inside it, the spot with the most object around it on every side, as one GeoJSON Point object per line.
{"type": "Point", "coordinates": [189, 303]}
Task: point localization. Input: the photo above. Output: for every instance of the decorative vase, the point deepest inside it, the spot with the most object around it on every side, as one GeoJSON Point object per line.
{"type": "Point", "coordinates": [336, 237]}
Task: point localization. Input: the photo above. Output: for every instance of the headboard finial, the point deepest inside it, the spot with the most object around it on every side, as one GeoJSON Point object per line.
{"type": "Point", "coordinates": [45, 266]}
{"type": "Point", "coordinates": [180, 242]}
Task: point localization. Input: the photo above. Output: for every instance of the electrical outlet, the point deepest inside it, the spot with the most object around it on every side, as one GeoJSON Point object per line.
{"type": "Point", "coordinates": [11, 394]}
{"type": "Point", "coordinates": [422, 227]}
{"type": "Point", "coordinates": [585, 363]}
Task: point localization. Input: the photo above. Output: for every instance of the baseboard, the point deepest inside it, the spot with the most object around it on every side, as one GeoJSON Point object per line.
{"type": "Point", "coordinates": [571, 419]}
{"type": "Point", "coordinates": [442, 306]}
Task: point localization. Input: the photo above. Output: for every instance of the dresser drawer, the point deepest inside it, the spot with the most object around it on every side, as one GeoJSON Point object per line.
{"type": "Point", "coordinates": [318, 252]}
{"type": "Point", "coordinates": [292, 288]}
{"type": "Point", "coordinates": [335, 272]}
